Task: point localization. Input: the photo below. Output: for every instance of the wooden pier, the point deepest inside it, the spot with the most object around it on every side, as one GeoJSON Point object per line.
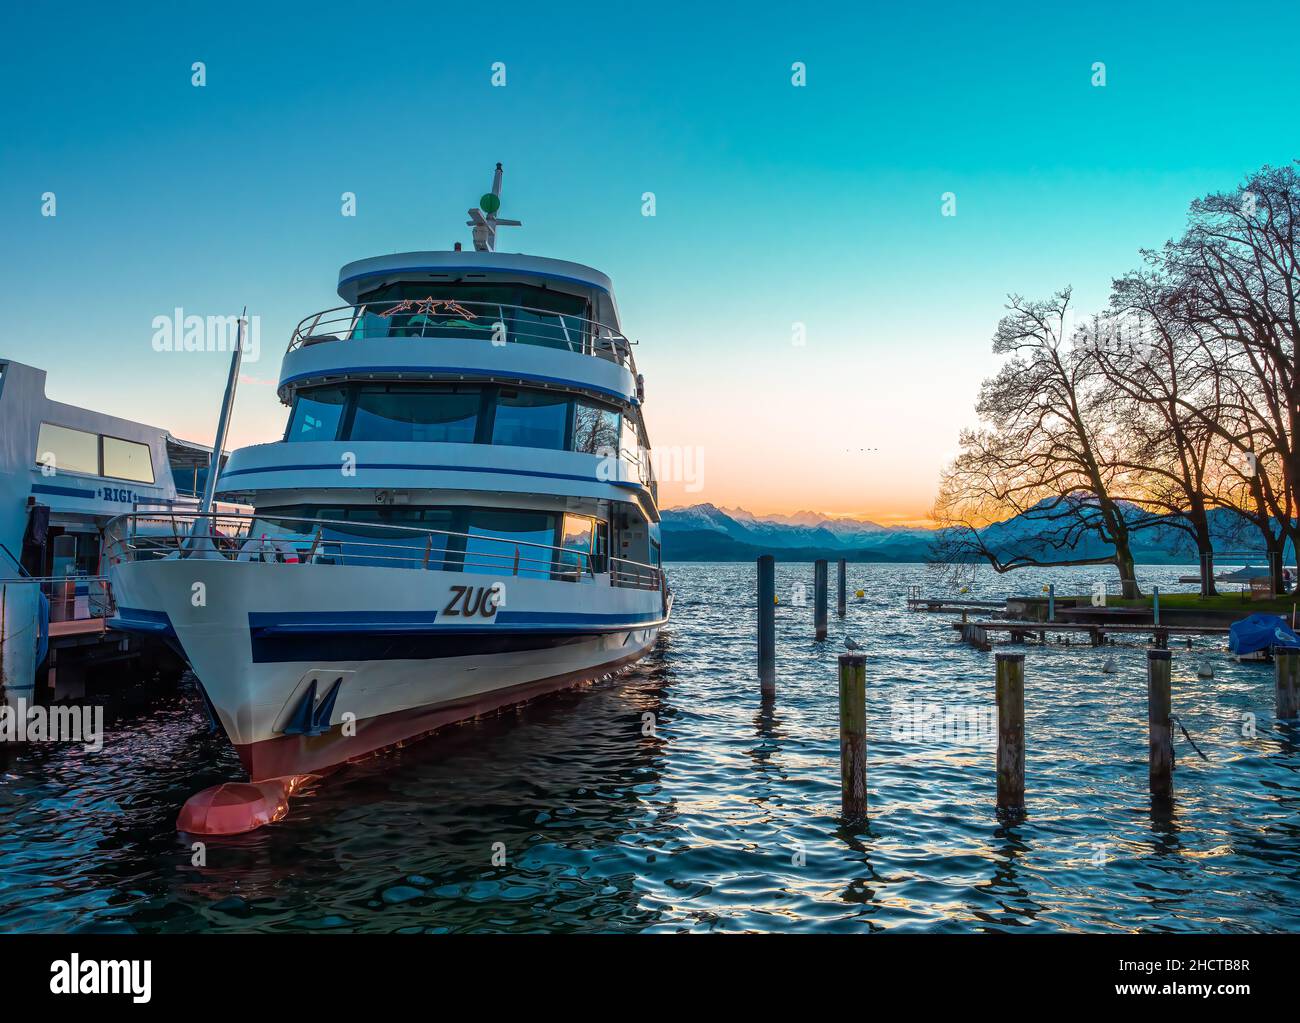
{"type": "Point", "coordinates": [938, 604]}
{"type": "Point", "coordinates": [976, 633]}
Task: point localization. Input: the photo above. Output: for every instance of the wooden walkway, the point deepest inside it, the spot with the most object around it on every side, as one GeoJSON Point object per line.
{"type": "Point", "coordinates": [977, 633]}
{"type": "Point", "coordinates": [953, 606]}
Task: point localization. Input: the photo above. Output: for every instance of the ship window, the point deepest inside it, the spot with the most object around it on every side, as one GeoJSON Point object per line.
{"type": "Point", "coordinates": [67, 450]}
{"type": "Point", "coordinates": [579, 533]}
{"type": "Point", "coordinates": [595, 428]}
{"type": "Point", "coordinates": [127, 460]}
{"type": "Point", "coordinates": [486, 554]}
{"type": "Point", "coordinates": [531, 419]}
{"type": "Point", "coordinates": [316, 413]}
{"type": "Point", "coordinates": [631, 446]}
{"type": "Point", "coordinates": [422, 413]}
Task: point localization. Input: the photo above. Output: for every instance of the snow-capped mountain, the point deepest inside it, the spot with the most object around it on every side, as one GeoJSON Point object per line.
{"type": "Point", "coordinates": [689, 528]}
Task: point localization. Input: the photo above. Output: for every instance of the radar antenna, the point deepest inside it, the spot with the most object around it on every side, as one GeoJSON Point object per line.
{"type": "Point", "coordinates": [485, 226]}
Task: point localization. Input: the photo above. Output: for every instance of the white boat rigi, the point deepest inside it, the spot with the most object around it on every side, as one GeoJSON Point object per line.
{"type": "Point", "coordinates": [461, 514]}
{"type": "Point", "coordinates": [65, 472]}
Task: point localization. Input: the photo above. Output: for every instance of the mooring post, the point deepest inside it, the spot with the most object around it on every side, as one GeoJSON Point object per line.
{"type": "Point", "coordinates": [819, 598]}
{"type": "Point", "coordinates": [1160, 732]}
{"type": "Point", "coordinates": [1011, 730]}
{"type": "Point", "coordinates": [1051, 602]}
{"type": "Point", "coordinates": [767, 625]}
{"type": "Point", "coordinates": [1155, 604]}
{"type": "Point", "coordinates": [853, 735]}
{"type": "Point", "coordinates": [1286, 661]}
{"type": "Point", "coordinates": [842, 605]}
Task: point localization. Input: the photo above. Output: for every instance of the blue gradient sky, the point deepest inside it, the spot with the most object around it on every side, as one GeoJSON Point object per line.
{"type": "Point", "coordinates": [775, 204]}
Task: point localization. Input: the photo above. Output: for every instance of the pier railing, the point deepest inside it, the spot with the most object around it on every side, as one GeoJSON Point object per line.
{"type": "Point", "coordinates": [287, 540]}
{"type": "Point", "coordinates": [493, 322]}
{"type": "Point", "coordinates": [73, 598]}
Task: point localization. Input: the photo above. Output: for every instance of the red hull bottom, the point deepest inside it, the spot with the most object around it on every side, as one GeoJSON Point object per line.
{"type": "Point", "coordinates": [287, 755]}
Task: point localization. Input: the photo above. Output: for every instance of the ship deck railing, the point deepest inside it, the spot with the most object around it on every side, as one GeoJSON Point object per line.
{"type": "Point", "coordinates": [493, 322]}
{"type": "Point", "coordinates": [290, 541]}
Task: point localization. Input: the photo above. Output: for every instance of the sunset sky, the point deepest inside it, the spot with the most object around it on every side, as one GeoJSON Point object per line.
{"type": "Point", "coordinates": [775, 205]}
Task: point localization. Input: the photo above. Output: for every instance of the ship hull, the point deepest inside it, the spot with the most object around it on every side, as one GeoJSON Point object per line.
{"type": "Point", "coordinates": [372, 657]}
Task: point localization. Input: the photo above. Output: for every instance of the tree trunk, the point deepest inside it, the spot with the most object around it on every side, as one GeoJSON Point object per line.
{"type": "Point", "coordinates": [1204, 548]}
{"type": "Point", "coordinates": [1127, 576]}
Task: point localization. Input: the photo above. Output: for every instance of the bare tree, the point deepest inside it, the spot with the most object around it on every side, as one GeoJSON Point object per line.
{"type": "Point", "coordinates": [1145, 351]}
{"type": "Point", "coordinates": [1041, 456]}
{"type": "Point", "coordinates": [1237, 267]}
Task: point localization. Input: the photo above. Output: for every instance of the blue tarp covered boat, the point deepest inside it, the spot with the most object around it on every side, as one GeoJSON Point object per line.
{"type": "Point", "coordinates": [1260, 632]}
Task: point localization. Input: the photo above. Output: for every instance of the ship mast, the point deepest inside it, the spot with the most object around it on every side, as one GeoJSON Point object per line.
{"type": "Point", "coordinates": [485, 226]}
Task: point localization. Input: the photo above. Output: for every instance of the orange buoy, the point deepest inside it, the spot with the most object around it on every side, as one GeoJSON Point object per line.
{"type": "Point", "coordinates": [233, 808]}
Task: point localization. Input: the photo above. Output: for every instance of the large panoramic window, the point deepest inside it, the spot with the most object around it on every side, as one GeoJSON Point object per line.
{"type": "Point", "coordinates": [483, 541]}
{"type": "Point", "coordinates": [498, 542]}
{"type": "Point", "coordinates": [127, 460]}
{"type": "Point", "coordinates": [456, 413]}
{"type": "Point", "coordinates": [595, 428]}
{"type": "Point", "coordinates": [401, 412]}
{"type": "Point", "coordinates": [531, 419]}
{"type": "Point", "coordinates": [316, 413]}
{"type": "Point", "coordinates": [531, 314]}
{"type": "Point", "coordinates": [67, 450]}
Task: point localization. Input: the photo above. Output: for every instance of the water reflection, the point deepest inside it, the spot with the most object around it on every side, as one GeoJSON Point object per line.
{"type": "Point", "coordinates": [675, 798]}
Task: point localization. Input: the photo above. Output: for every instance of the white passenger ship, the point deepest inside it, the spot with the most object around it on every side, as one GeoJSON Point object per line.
{"type": "Point", "coordinates": [461, 514]}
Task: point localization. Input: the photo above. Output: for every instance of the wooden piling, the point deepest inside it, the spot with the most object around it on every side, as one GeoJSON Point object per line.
{"type": "Point", "coordinates": [1159, 727]}
{"type": "Point", "coordinates": [842, 604]}
{"type": "Point", "coordinates": [819, 598]}
{"type": "Point", "coordinates": [853, 735]}
{"type": "Point", "coordinates": [1051, 602]}
{"type": "Point", "coordinates": [1011, 730]}
{"type": "Point", "coordinates": [767, 625]}
{"type": "Point", "coordinates": [1286, 664]}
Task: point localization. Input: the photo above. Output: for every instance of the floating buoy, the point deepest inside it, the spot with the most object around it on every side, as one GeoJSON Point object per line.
{"type": "Point", "coordinates": [776, 600]}
{"type": "Point", "coordinates": [964, 589]}
{"type": "Point", "coordinates": [1205, 670]}
{"type": "Point", "coordinates": [233, 808]}
{"type": "Point", "coordinates": [1109, 667]}
{"type": "Point", "coordinates": [860, 594]}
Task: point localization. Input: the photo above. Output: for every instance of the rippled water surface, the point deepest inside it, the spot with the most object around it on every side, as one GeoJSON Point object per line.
{"type": "Point", "coordinates": [711, 813]}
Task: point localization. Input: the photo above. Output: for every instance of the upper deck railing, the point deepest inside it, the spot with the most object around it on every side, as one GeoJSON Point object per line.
{"type": "Point", "coordinates": [493, 322]}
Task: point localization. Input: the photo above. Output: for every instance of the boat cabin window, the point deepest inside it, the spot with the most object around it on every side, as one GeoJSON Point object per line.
{"type": "Point", "coordinates": [578, 539]}
{"type": "Point", "coordinates": [415, 412]}
{"type": "Point", "coordinates": [595, 428]}
{"type": "Point", "coordinates": [531, 419]}
{"type": "Point", "coordinates": [317, 412]}
{"type": "Point", "coordinates": [529, 314]}
{"type": "Point", "coordinates": [67, 450]}
{"type": "Point", "coordinates": [127, 460]}
{"type": "Point", "coordinates": [527, 417]}
{"type": "Point", "coordinates": [484, 541]}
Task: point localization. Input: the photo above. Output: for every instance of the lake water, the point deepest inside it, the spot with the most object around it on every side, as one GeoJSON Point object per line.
{"type": "Point", "coordinates": [725, 816]}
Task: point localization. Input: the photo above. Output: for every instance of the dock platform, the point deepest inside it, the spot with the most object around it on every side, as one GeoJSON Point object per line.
{"type": "Point", "coordinates": [976, 632]}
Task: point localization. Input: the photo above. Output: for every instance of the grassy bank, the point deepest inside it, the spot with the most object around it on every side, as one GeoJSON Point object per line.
{"type": "Point", "coordinates": [1236, 602]}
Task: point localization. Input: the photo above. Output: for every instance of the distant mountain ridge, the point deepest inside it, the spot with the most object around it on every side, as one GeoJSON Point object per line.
{"type": "Point", "coordinates": [705, 532]}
